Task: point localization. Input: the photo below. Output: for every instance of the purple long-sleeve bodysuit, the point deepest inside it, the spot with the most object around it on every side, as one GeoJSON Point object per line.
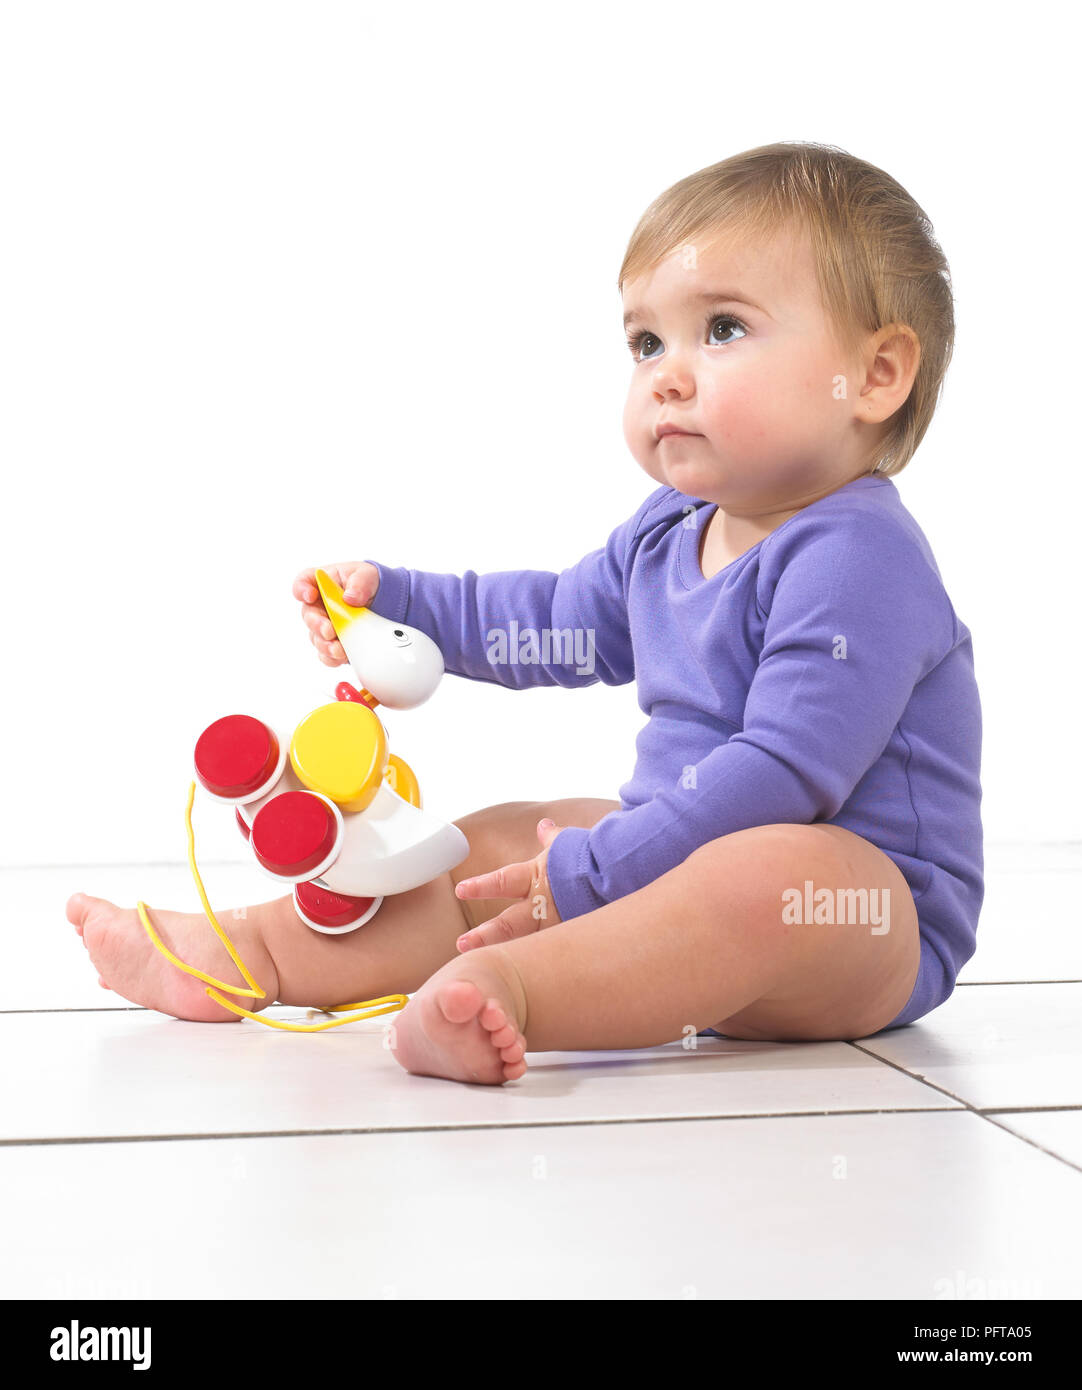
{"type": "Point", "coordinates": [821, 677]}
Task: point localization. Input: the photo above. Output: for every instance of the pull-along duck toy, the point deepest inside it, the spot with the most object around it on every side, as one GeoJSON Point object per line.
{"type": "Point", "coordinates": [332, 811]}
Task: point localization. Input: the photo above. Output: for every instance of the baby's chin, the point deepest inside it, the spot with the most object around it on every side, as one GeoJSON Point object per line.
{"type": "Point", "coordinates": [695, 477]}
{"type": "Point", "coordinates": [696, 471]}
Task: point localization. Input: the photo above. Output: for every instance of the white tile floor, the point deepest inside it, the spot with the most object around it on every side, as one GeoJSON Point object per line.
{"type": "Point", "coordinates": [140, 1155]}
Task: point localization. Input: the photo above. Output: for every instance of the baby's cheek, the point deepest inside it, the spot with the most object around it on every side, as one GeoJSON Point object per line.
{"type": "Point", "coordinates": [638, 426]}
{"type": "Point", "coordinates": [741, 417]}
{"type": "Point", "coordinates": [632, 411]}
{"type": "Point", "coordinates": [756, 418]}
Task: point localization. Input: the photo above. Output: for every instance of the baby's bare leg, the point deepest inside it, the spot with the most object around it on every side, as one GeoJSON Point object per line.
{"type": "Point", "coordinates": [707, 943]}
{"type": "Point", "coordinates": [412, 935]}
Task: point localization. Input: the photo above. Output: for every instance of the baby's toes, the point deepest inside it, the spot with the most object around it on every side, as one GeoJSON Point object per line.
{"type": "Point", "coordinates": [514, 1051]}
{"type": "Point", "coordinates": [502, 1033]}
{"type": "Point", "coordinates": [493, 1018]}
{"type": "Point", "coordinates": [458, 1001]}
{"type": "Point", "coordinates": [75, 910]}
{"type": "Point", "coordinates": [85, 914]}
{"type": "Point", "coordinates": [503, 1037]}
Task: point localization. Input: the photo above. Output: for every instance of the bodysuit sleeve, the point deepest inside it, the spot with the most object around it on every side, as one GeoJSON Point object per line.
{"type": "Point", "coordinates": [523, 628]}
{"type": "Point", "coordinates": [854, 617]}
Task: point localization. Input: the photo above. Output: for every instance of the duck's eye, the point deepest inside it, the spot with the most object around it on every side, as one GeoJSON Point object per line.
{"type": "Point", "coordinates": [398, 632]}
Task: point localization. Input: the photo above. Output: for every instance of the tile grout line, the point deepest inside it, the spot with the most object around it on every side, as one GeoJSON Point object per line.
{"type": "Point", "coordinates": [468, 1125]}
{"type": "Point", "coordinates": [991, 1118]}
{"type": "Point", "coordinates": [959, 1107]}
{"type": "Point", "coordinates": [1028, 1109]}
{"type": "Point", "coordinates": [986, 984]}
{"type": "Point", "coordinates": [988, 1116]}
{"type": "Point", "coordinates": [90, 1009]}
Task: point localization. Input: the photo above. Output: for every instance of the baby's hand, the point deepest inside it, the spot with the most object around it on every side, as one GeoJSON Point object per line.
{"type": "Point", "coordinates": [358, 581]}
{"type": "Point", "coordinates": [527, 881]}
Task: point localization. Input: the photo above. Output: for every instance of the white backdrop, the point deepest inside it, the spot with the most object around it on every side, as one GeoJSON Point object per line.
{"type": "Point", "coordinates": [292, 283]}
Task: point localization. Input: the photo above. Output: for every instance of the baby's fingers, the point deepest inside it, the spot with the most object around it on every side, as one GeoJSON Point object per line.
{"type": "Point", "coordinates": [514, 921]}
{"type": "Point", "coordinates": [512, 881]}
{"type": "Point", "coordinates": [330, 653]}
{"type": "Point", "coordinates": [307, 590]}
{"type": "Point", "coordinates": [316, 621]}
{"type": "Point", "coordinates": [304, 587]}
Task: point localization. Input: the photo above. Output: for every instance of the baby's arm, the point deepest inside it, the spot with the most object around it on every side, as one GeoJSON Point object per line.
{"type": "Point", "coordinates": [813, 723]}
{"type": "Point", "coordinates": [523, 628]}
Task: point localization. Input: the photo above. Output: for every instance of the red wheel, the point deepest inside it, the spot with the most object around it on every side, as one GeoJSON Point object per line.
{"type": "Point", "coordinates": [293, 834]}
{"type": "Point", "coordinates": [321, 908]}
{"type": "Point", "coordinates": [236, 755]}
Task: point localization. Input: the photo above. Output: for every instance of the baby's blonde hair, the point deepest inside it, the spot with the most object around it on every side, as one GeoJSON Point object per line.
{"type": "Point", "coordinates": [876, 257]}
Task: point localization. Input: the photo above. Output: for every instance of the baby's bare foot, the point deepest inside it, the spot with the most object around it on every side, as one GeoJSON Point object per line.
{"type": "Point", "coordinates": [465, 1023]}
{"type": "Point", "coordinates": [129, 963]}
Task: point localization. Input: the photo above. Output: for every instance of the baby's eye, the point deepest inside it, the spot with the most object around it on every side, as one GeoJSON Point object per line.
{"type": "Point", "coordinates": [638, 344]}
{"type": "Point", "coordinates": [731, 323]}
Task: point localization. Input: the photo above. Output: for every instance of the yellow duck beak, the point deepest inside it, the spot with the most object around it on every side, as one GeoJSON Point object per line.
{"type": "Point", "coordinates": [341, 614]}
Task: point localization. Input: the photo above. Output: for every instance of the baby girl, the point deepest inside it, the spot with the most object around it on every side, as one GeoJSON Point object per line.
{"type": "Point", "coordinates": [797, 854]}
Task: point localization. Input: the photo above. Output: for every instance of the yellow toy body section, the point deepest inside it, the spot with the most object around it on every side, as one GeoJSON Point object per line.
{"type": "Point", "coordinates": [340, 751]}
{"type": "Point", "coordinates": [371, 1008]}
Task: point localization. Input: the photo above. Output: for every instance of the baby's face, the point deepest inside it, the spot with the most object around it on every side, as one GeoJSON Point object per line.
{"type": "Point", "coordinates": [731, 343]}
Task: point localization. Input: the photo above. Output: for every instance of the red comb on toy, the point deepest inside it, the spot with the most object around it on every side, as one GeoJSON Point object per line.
{"type": "Point", "coordinates": [344, 691]}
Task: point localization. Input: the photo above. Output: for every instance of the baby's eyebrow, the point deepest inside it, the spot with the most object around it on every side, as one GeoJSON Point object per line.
{"type": "Point", "coordinates": [718, 296]}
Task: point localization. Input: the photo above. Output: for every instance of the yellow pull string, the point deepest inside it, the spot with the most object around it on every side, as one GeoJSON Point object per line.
{"type": "Point", "coordinates": [254, 992]}
{"type": "Point", "coordinates": [391, 1002]}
